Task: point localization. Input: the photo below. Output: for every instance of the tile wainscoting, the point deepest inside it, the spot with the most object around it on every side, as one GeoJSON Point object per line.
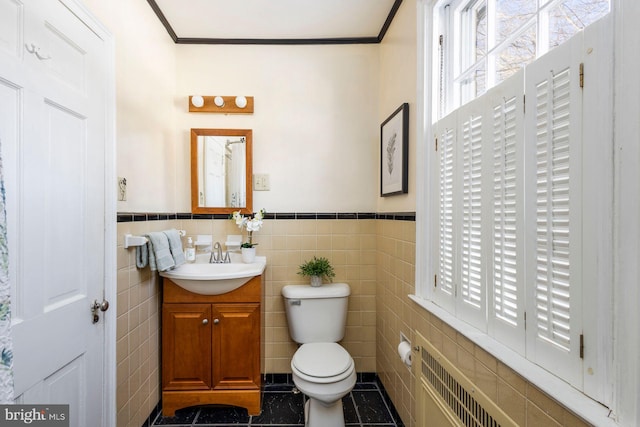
{"type": "Point", "coordinates": [349, 240]}
{"type": "Point", "coordinates": [374, 253]}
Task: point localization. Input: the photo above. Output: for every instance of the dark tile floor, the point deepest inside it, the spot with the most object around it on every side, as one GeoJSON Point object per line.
{"type": "Point", "coordinates": [367, 405]}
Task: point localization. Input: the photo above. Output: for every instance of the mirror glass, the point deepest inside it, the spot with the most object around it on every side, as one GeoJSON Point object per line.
{"type": "Point", "coordinates": [221, 170]}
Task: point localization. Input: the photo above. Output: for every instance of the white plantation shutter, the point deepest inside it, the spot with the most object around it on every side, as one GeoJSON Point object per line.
{"type": "Point", "coordinates": [512, 217]}
{"type": "Point", "coordinates": [553, 138]}
{"type": "Point", "coordinates": [471, 304]}
{"type": "Point", "coordinates": [445, 287]}
{"type": "Point", "coordinates": [506, 269]}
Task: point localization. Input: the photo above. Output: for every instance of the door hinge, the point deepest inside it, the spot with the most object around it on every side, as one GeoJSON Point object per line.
{"type": "Point", "coordinates": [524, 103]}
{"type": "Point", "coordinates": [582, 74]}
{"type": "Point", "coordinates": [435, 281]}
{"type": "Point", "coordinates": [441, 39]}
{"type": "Point", "coordinates": [525, 320]}
{"type": "Point", "coordinates": [436, 144]}
{"type": "Point", "coordinates": [581, 346]}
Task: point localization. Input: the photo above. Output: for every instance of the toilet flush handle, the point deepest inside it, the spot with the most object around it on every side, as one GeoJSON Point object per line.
{"type": "Point", "coordinates": [295, 302]}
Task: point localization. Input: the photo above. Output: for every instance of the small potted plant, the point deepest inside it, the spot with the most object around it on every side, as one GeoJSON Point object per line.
{"type": "Point", "coordinates": [317, 269]}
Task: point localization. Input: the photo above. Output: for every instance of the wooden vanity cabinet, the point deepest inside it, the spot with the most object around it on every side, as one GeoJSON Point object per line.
{"type": "Point", "coordinates": [211, 348]}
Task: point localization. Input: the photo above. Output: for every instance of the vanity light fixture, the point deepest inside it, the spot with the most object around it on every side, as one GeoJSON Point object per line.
{"type": "Point", "coordinates": [221, 104]}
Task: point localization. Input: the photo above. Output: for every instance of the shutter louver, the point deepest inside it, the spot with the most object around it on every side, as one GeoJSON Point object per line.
{"type": "Point", "coordinates": [553, 293]}
{"type": "Point", "coordinates": [505, 266]}
{"type": "Point", "coordinates": [506, 212]}
{"type": "Point", "coordinates": [471, 250]}
{"type": "Point", "coordinates": [446, 268]}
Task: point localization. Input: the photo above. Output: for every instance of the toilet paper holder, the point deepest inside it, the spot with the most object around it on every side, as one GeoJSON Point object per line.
{"type": "Point", "coordinates": [405, 350]}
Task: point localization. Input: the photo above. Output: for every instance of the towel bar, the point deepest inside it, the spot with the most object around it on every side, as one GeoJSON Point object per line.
{"type": "Point", "coordinates": [130, 240]}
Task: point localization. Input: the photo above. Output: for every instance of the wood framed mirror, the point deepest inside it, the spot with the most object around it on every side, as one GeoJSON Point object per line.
{"type": "Point", "coordinates": [221, 171]}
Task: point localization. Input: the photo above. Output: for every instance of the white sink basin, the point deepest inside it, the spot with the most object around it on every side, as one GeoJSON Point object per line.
{"type": "Point", "coordinates": [215, 279]}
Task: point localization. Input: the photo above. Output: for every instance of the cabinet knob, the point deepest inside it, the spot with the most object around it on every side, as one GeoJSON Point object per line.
{"type": "Point", "coordinates": [205, 321]}
{"type": "Point", "coordinates": [216, 321]}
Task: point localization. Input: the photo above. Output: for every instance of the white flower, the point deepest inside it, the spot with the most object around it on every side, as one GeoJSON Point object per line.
{"type": "Point", "coordinates": [254, 224]}
{"type": "Point", "coordinates": [239, 219]}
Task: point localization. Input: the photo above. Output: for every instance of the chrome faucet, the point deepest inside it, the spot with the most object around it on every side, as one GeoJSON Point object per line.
{"type": "Point", "coordinates": [217, 257]}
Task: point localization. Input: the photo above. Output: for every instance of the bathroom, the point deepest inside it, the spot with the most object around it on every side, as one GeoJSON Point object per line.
{"type": "Point", "coordinates": [335, 92]}
{"type": "Point", "coordinates": [320, 106]}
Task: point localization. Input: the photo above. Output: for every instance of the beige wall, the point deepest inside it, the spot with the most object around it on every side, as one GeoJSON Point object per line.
{"type": "Point", "coordinates": [397, 84]}
{"type": "Point", "coordinates": [145, 66]}
{"type": "Point", "coordinates": [315, 122]}
{"type": "Point", "coordinates": [315, 104]}
{"type": "Point", "coordinates": [137, 332]}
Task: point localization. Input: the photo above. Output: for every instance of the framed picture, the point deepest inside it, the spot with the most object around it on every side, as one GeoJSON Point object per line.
{"type": "Point", "coordinates": [394, 153]}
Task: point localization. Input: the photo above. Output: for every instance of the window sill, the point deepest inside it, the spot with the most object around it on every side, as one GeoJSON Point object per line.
{"type": "Point", "coordinates": [571, 398]}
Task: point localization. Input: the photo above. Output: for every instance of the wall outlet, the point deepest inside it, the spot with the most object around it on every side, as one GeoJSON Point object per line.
{"type": "Point", "coordinates": [122, 189]}
{"type": "Point", "coordinates": [261, 182]}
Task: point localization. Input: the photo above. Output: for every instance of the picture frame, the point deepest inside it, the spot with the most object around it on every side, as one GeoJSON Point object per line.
{"type": "Point", "coordinates": [394, 153]}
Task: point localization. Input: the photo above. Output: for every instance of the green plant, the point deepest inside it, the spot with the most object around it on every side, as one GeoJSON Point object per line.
{"type": "Point", "coordinates": [320, 267]}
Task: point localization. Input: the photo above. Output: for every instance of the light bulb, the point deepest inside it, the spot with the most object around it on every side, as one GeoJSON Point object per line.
{"type": "Point", "coordinates": [241, 101]}
{"type": "Point", "coordinates": [197, 101]}
{"type": "Point", "coordinates": [219, 101]}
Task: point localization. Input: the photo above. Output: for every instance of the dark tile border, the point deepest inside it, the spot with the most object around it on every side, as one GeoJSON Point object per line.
{"type": "Point", "coordinates": [151, 216]}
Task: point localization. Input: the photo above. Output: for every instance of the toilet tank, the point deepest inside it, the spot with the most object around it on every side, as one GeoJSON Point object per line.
{"type": "Point", "coordinates": [316, 314]}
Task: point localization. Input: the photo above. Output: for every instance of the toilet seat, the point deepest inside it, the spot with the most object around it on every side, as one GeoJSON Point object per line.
{"type": "Point", "coordinates": [322, 362]}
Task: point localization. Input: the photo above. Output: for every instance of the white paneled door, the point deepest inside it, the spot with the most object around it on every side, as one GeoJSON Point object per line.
{"type": "Point", "coordinates": [53, 127]}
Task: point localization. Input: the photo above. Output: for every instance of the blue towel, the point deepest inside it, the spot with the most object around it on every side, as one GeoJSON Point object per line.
{"type": "Point", "coordinates": [175, 246]}
{"type": "Point", "coordinates": [142, 256]}
{"type": "Point", "coordinates": [160, 257]}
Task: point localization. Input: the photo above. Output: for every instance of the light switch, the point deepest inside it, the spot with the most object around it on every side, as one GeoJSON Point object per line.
{"type": "Point", "coordinates": [261, 182]}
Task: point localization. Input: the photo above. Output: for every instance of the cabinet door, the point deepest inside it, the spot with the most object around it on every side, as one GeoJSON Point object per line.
{"type": "Point", "coordinates": [236, 346]}
{"type": "Point", "coordinates": [186, 346]}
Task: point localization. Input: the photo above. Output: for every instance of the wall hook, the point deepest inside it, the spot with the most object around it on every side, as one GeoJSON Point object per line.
{"type": "Point", "coordinates": [34, 49]}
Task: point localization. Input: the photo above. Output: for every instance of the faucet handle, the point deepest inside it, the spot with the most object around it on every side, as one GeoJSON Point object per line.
{"type": "Point", "coordinates": [227, 258]}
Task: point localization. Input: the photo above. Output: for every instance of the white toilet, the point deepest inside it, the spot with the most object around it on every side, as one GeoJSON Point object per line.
{"type": "Point", "coordinates": [322, 369]}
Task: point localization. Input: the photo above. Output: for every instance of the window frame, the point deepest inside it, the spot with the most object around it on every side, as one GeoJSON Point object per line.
{"type": "Point", "coordinates": [450, 18]}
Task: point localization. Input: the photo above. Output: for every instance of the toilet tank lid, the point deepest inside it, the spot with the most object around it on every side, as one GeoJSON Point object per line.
{"type": "Point", "coordinates": [330, 290]}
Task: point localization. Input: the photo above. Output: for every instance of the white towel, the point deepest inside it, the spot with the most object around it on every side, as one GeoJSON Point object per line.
{"type": "Point", "coordinates": [175, 246]}
{"type": "Point", "coordinates": [160, 257]}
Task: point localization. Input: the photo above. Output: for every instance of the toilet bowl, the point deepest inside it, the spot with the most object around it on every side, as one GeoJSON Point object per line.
{"type": "Point", "coordinates": [321, 368]}
{"type": "Point", "coordinates": [325, 373]}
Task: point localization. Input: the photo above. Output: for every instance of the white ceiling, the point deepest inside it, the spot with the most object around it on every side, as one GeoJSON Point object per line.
{"type": "Point", "coordinates": [276, 21]}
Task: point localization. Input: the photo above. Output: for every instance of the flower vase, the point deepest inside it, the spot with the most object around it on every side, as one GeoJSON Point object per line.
{"type": "Point", "coordinates": [316, 281]}
{"type": "Point", "coordinates": [248, 255]}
